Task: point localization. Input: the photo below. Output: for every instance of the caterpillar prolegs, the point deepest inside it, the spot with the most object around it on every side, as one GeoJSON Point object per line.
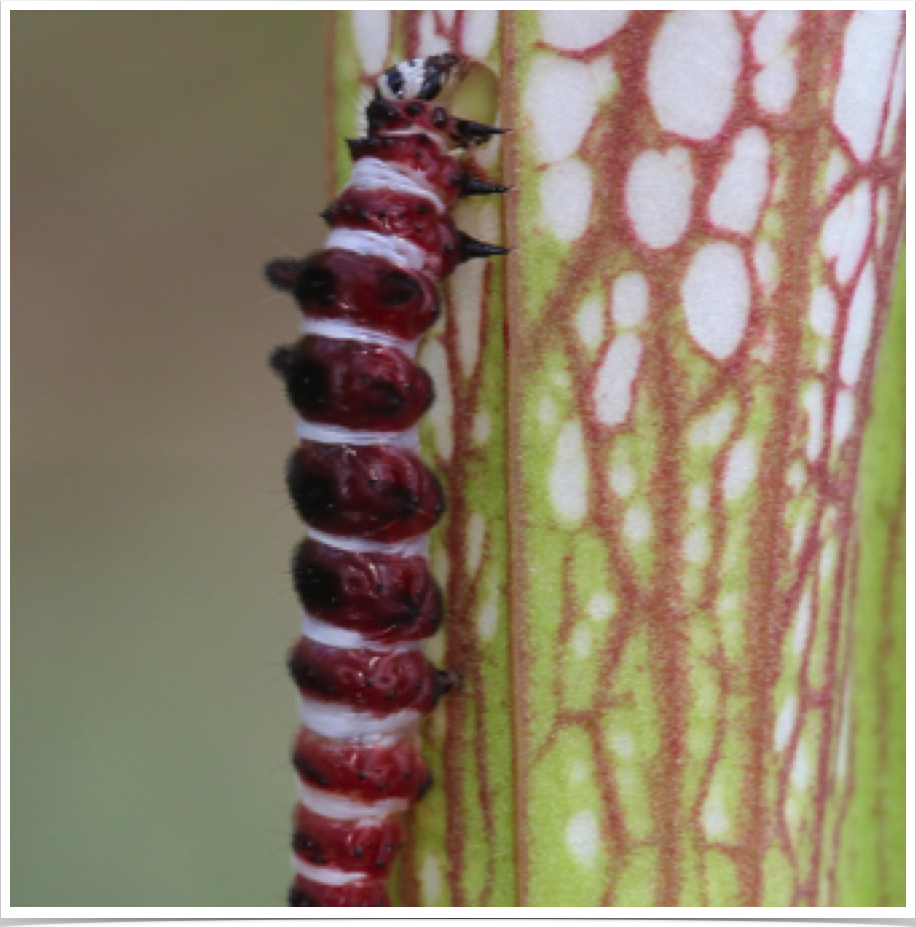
{"type": "Point", "coordinates": [357, 481]}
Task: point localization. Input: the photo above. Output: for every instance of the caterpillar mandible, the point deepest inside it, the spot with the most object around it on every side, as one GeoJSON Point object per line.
{"type": "Point", "coordinates": [356, 479]}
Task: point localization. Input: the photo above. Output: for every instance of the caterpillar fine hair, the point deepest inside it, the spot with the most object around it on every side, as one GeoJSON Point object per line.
{"type": "Point", "coordinates": [357, 481]}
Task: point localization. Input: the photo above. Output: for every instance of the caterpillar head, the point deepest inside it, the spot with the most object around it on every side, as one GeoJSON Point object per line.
{"type": "Point", "coordinates": [419, 78]}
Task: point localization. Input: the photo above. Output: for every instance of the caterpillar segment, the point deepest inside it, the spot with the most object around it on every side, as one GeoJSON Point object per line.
{"type": "Point", "coordinates": [358, 482]}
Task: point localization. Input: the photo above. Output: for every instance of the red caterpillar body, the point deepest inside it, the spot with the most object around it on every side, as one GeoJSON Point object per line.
{"type": "Point", "coordinates": [357, 481]}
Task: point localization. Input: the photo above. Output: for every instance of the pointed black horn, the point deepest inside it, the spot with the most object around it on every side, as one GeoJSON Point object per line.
{"type": "Point", "coordinates": [447, 681]}
{"type": "Point", "coordinates": [281, 360]}
{"type": "Point", "coordinates": [283, 273]}
{"type": "Point", "coordinates": [474, 133]}
{"type": "Point", "coordinates": [469, 127]}
{"type": "Point", "coordinates": [475, 186]}
{"type": "Point", "coordinates": [469, 248]}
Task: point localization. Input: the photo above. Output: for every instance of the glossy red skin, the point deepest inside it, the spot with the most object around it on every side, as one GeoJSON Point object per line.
{"type": "Point", "coordinates": [380, 493]}
{"type": "Point", "coordinates": [351, 846]}
{"type": "Point", "coordinates": [399, 215]}
{"type": "Point", "coordinates": [385, 597]}
{"type": "Point", "coordinates": [374, 492]}
{"type": "Point", "coordinates": [362, 771]}
{"type": "Point", "coordinates": [354, 384]}
{"type": "Point", "coordinates": [418, 156]}
{"type": "Point", "coordinates": [367, 291]}
{"type": "Point", "coordinates": [308, 894]}
{"type": "Point", "coordinates": [378, 681]}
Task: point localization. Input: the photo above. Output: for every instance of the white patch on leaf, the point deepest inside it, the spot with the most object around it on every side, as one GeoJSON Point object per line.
{"type": "Point", "coordinates": [716, 822]}
{"type": "Point", "coordinates": [630, 299]}
{"type": "Point", "coordinates": [566, 198]}
{"type": "Point", "coordinates": [823, 311]}
{"type": "Point", "coordinates": [561, 103]}
{"type": "Point", "coordinates": [802, 623]}
{"type": "Point", "coordinates": [801, 768]}
{"type": "Point", "coordinates": [479, 32]}
{"type": "Point", "coordinates": [569, 475]}
{"type": "Point", "coordinates": [434, 359]}
{"type": "Point", "coordinates": [637, 523]}
{"type": "Point", "coordinates": [742, 188]}
{"type": "Point", "coordinates": [844, 416]}
{"type": "Point", "coordinates": [590, 322]}
{"type": "Point", "coordinates": [775, 86]}
{"type": "Point", "coordinates": [431, 880]}
{"type": "Point", "coordinates": [868, 59]}
{"type": "Point", "coordinates": [622, 744]}
{"type": "Point", "coordinates": [613, 393]}
{"type": "Point", "coordinates": [467, 299]}
{"type": "Point", "coordinates": [898, 93]}
{"type": "Point", "coordinates": [659, 196]}
{"type": "Point", "coordinates": [795, 476]}
{"type": "Point", "coordinates": [712, 429]}
{"type": "Point", "coordinates": [845, 231]}
{"type": "Point", "coordinates": [813, 401]}
{"type": "Point", "coordinates": [740, 469]}
{"type": "Point", "coordinates": [582, 642]}
{"type": "Point", "coordinates": [488, 616]}
{"type": "Point", "coordinates": [547, 411]}
{"type": "Point", "coordinates": [583, 837]}
{"type": "Point", "coordinates": [696, 545]}
{"type": "Point", "coordinates": [693, 66]}
{"type": "Point", "coordinates": [575, 30]}
{"type": "Point", "coordinates": [604, 77]}
{"type": "Point", "coordinates": [859, 326]}
{"type": "Point", "coordinates": [772, 34]}
{"type": "Point", "coordinates": [837, 168]}
{"type": "Point", "coordinates": [766, 266]}
{"type": "Point", "coordinates": [477, 532]}
{"type": "Point", "coordinates": [785, 723]}
{"type": "Point", "coordinates": [372, 33]}
{"type": "Point", "coordinates": [430, 41]}
{"type": "Point", "coordinates": [622, 479]}
{"type": "Point", "coordinates": [717, 298]}
{"type": "Point", "coordinates": [600, 606]}
{"type": "Point", "coordinates": [698, 497]}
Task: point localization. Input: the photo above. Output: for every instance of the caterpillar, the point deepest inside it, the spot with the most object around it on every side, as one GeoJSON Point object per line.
{"type": "Point", "coordinates": [357, 481]}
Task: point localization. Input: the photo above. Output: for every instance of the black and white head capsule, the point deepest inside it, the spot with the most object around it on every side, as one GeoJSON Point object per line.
{"type": "Point", "coordinates": [418, 78]}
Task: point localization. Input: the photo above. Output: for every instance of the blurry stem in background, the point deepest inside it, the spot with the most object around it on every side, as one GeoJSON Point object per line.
{"type": "Point", "coordinates": [674, 584]}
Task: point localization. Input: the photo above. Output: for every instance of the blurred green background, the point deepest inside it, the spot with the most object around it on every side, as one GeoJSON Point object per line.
{"type": "Point", "coordinates": [159, 160]}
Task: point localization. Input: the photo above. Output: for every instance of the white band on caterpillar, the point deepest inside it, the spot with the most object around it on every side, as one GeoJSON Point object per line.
{"type": "Point", "coordinates": [394, 249]}
{"type": "Point", "coordinates": [331, 636]}
{"type": "Point", "coordinates": [326, 874]}
{"type": "Point", "coordinates": [340, 808]}
{"type": "Point", "coordinates": [373, 174]}
{"type": "Point", "coordinates": [416, 547]}
{"type": "Point", "coordinates": [340, 722]}
{"type": "Point", "coordinates": [337, 434]}
{"type": "Point", "coordinates": [346, 331]}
